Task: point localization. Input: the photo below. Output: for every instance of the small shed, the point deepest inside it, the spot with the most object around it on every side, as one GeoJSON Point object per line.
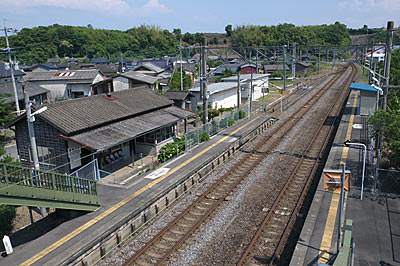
{"type": "Point", "coordinates": [368, 98]}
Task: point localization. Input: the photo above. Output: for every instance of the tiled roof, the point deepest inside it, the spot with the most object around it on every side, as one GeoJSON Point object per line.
{"type": "Point", "coordinates": [7, 73]}
{"type": "Point", "coordinates": [100, 60]}
{"type": "Point", "coordinates": [221, 68]}
{"type": "Point", "coordinates": [76, 115]}
{"type": "Point", "coordinates": [89, 74]}
{"type": "Point", "coordinates": [32, 89]}
{"type": "Point", "coordinates": [177, 94]}
{"type": "Point", "coordinates": [150, 66]}
{"type": "Point", "coordinates": [140, 77]}
{"type": "Point", "coordinates": [115, 133]}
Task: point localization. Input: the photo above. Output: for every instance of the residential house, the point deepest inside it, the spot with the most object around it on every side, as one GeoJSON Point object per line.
{"type": "Point", "coordinates": [220, 95]}
{"type": "Point", "coordinates": [181, 98]}
{"type": "Point", "coordinates": [303, 68]}
{"type": "Point", "coordinates": [72, 60]}
{"type": "Point", "coordinates": [220, 69]}
{"type": "Point", "coordinates": [100, 61]}
{"type": "Point", "coordinates": [273, 68]}
{"type": "Point", "coordinates": [149, 69]}
{"type": "Point", "coordinates": [66, 84]}
{"type": "Point", "coordinates": [260, 85]}
{"type": "Point", "coordinates": [46, 67]}
{"type": "Point", "coordinates": [248, 68]}
{"type": "Point", "coordinates": [35, 91]}
{"type": "Point", "coordinates": [115, 128]}
{"type": "Point", "coordinates": [133, 79]}
{"type": "Point", "coordinates": [162, 63]}
{"type": "Point", "coordinates": [53, 61]}
{"type": "Point", "coordinates": [5, 74]}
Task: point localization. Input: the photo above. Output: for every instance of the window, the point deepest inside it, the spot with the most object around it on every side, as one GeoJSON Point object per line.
{"type": "Point", "coordinates": [77, 94]}
{"type": "Point", "coordinates": [46, 155]}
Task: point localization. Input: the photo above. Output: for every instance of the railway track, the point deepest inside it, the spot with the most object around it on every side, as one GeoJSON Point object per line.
{"type": "Point", "coordinates": [268, 241]}
{"type": "Point", "coordinates": [168, 240]}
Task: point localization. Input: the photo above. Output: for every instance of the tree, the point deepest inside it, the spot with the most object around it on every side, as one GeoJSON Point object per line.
{"type": "Point", "coordinates": [6, 109]}
{"type": "Point", "coordinates": [228, 30]}
{"type": "Point", "coordinates": [227, 72]}
{"type": "Point", "coordinates": [175, 83]}
{"type": "Point", "coordinates": [178, 34]}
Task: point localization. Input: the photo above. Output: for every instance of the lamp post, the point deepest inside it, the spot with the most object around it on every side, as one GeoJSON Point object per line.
{"type": "Point", "coordinates": [348, 143]}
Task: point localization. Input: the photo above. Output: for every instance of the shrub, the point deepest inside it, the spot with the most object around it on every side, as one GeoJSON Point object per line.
{"type": "Point", "coordinates": [231, 122]}
{"type": "Point", "coordinates": [204, 136]}
{"type": "Point", "coordinates": [7, 215]}
{"type": "Point", "coordinates": [171, 149]}
{"type": "Point", "coordinates": [242, 114]}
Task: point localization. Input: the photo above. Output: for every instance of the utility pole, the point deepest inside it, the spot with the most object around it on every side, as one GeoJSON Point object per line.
{"type": "Point", "coordinates": [284, 67]}
{"type": "Point", "coordinates": [180, 51]}
{"type": "Point", "coordinates": [12, 64]}
{"type": "Point", "coordinates": [238, 91]}
{"type": "Point", "coordinates": [31, 130]}
{"type": "Point", "coordinates": [257, 61]}
{"type": "Point", "coordinates": [294, 62]}
{"type": "Point", "coordinates": [319, 58]}
{"type": "Point", "coordinates": [251, 90]}
{"type": "Point", "coordinates": [203, 81]}
{"type": "Point", "coordinates": [386, 70]}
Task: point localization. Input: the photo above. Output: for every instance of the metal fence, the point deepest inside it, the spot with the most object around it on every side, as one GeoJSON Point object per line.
{"type": "Point", "coordinates": [89, 171]}
{"type": "Point", "coordinates": [201, 134]}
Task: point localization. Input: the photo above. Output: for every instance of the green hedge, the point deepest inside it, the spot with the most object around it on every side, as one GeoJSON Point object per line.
{"type": "Point", "coordinates": [7, 215]}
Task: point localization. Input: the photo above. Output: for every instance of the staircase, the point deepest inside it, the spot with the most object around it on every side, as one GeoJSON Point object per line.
{"type": "Point", "coordinates": [35, 188]}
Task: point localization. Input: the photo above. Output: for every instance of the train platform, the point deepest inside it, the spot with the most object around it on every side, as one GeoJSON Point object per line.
{"type": "Point", "coordinates": [57, 240]}
{"type": "Point", "coordinates": [376, 218]}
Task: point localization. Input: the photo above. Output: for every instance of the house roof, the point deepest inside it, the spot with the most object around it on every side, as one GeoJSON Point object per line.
{"type": "Point", "coordinates": [217, 87]}
{"type": "Point", "coordinates": [88, 74]}
{"type": "Point", "coordinates": [86, 113]}
{"type": "Point", "coordinates": [162, 63]}
{"type": "Point", "coordinates": [274, 67]}
{"type": "Point", "coordinates": [304, 64]}
{"type": "Point", "coordinates": [107, 69]}
{"type": "Point", "coordinates": [221, 68]}
{"type": "Point", "coordinates": [7, 73]}
{"type": "Point", "coordinates": [53, 60]}
{"type": "Point", "coordinates": [140, 77]}
{"type": "Point", "coordinates": [362, 87]}
{"type": "Point", "coordinates": [150, 66]}
{"type": "Point", "coordinates": [191, 67]}
{"type": "Point", "coordinates": [115, 133]}
{"type": "Point", "coordinates": [180, 95]}
{"type": "Point", "coordinates": [125, 61]}
{"type": "Point", "coordinates": [31, 88]}
{"type": "Point", "coordinates": [100, 60]}
{"type": "Point", "coordinates": [245, 77]}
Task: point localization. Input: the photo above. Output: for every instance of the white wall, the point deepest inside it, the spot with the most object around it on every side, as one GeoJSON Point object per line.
{"type": "Point", "coordinates": [223, 99]}
{"type": "Point", "coordinates": [57, 88]}
{"type": "Point", "coordinates": [120, 83]}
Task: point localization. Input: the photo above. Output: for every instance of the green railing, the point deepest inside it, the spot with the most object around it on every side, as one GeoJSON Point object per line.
{"type": "Point", "coordinates": [26, 186]}
{"type": "Point", "coordinates": [345, 253]}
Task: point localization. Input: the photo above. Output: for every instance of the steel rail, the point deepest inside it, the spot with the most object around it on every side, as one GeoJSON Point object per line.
{"type": "Point", "coordinates": [282, 192]}
{"type": "Point", "coordinates": [299, 203]}
{"type": "Point", "coordinates": [294, 118]}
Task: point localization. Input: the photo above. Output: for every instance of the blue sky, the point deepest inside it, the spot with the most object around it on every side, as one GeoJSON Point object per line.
{"type": "Point", "coordinates": [197, 16]}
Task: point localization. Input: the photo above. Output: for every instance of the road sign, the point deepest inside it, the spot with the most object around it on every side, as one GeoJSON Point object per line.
{"type": "Point", "coordinates": [281, 91]}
